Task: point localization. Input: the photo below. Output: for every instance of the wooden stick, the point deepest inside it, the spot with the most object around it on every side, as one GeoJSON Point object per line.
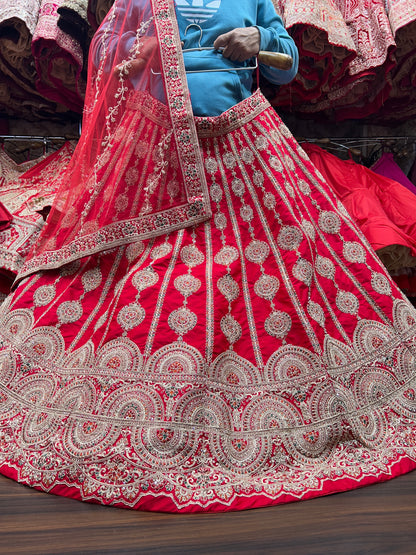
{"type": "Point", "coordinates": [275, 59]}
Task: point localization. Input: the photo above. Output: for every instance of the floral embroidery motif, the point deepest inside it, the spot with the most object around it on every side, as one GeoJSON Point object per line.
{"type": "Point", "coordinates": [131, 316]}
{"type": "Point", "coordinates": [329, 222]}
{"type": "Point", "coordinates": [325, 267]}
{"type": "Point", "coordinates": [303, 271]}
{"type": "Point", "coordinates": [354, 252]}
{"type": "Point", "coordinates": [257, 251]}
{"type": "Point", "coordinates": [44, 295]}
{"type": "Point", "coordinates": [230, 328]}
{"type": "Point", "coordinates": [192, 256]}
{"type": "Point", "coordinates": [380, 284]}
{"type": "Point", "coordinates": [182, 320]}
{"type": "Point", "coordinates": [91, 279]}
{"type": "Point", "coordinates": [187, 284]}
{"type": "Point", "coordinates": [226, 255]}
{"type": "Point", "coordinates": [144, 278]}
{"type": "Point", "coordinates": [69, 312]}
{"type": "Point", "coordinates": [289, 238]}
{"type": "Point", "coordinates": [347, 302]}
{"type": "Point", "coordinates": [266, 287]}
{"type": "Point", "coordinates": [229, 288]}
{"type": "Point", "coordinates": [278, 323]}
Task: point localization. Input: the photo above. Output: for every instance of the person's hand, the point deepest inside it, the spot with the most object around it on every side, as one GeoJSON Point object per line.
{"type": "Point", "coordinates": [148, 54]}
{"type": "Point", "coordinates": [240, 44]}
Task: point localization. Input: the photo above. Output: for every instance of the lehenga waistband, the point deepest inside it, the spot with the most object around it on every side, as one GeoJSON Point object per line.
{"type": "Point", "coordinates": [207, 126]}
{"type": "Point", "coordinates": [232, 119]}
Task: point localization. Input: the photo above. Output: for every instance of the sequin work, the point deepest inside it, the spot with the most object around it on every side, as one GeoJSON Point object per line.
{"type": "Point", "coordinates": [261, 357]}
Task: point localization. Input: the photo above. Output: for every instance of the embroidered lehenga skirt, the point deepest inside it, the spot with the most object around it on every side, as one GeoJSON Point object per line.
{"type": "Point", "coordinates": [261, 357]}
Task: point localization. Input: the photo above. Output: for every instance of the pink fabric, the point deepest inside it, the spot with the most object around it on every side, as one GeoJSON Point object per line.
{"type": "Point", "coordinates": [387, 166]}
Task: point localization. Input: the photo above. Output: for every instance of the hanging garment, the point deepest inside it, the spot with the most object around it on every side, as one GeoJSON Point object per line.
{"type": "Point", "coordinates": [250, 357]}
{"type": "Point", "coordinates": [73, 20]}
{"type": "Point", "coordinates": [401, 103]}
{"type": "Point", "coordinates": [18, 94]}
{"type": "Point", "coordinates": [366, 85]}
{"type": "Point", "coordinates": [381, 207]}
{"type": "Point", "coordinates": [25, 197]}
{"type": "Point", "coordinates": [364, 48]}
{"type": "Point", "coordinates": [325, 48]}
{"type": "Point", "coordinates": [59, 60]}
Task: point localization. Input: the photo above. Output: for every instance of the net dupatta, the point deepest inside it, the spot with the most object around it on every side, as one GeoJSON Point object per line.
{"type": "Point", "coordinates": [137, 170]}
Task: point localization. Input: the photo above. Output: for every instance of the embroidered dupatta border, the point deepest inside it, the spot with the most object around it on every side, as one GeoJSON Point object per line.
{"type": "Point", "coordinates": [196, 210]}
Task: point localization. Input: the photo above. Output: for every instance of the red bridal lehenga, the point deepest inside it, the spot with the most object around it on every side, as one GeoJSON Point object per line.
{"type": "Point", "coordinates": [176, 344]}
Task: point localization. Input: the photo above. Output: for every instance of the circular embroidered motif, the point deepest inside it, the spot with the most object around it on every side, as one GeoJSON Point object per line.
{"type": "Point", "coordinates": [289, 163]}
{"type": "Point", "coordinates": [230, 328]}
{"type": "Point", "coordinates": [269, 201]}
{"type": "Point", "coordinates": [347, 302]}
{"type": "Point", "coordinates": [69, 312]}
{"type": "Point", "coordinates": [211, 165]}
{"type": "Point", "coordinates": [182, 320]}
{"type": "Point", "coordinates": [228, 287]}
{"type": "Point", "coordinates": [131, 177]}
{"type": "Point", "coordinates": [290, 190]}
{"type": "Point", "coordinates": [380, 284]}
{"type": "Point", "coordinates": [70, 269]}
{"type": "Point", "coordinates": [304, 187]}
{"type": "Point", "coordinates": [247, 156]}
{"type": "Point", "coordinates": [276, 164]}
{"type": "Point", "coordinates": [229, 160]}
{"type": "Point", "coordinates": [315, 311]}
{"type": "Point", "coordinates": [325, 267]}
{"type": "Point", "coordinates": [226, 256]}
{"type": "Point", "coordinates": [257, 251]}
{"type": "Point", "coordinates": [191, 256]}
{"type": "Point", "coordinates": [90, 227]}
{"type": "Point", "coordinates": [121, 203]}
{"type": "Point", "coordinates": [289, 238]}
{"type": "Point", "coordinates": [266, 287]}
{"type": "Point", "coordinates": [303, 271]}
{"type": "Point", "coordinates": [258, 178]}
{"type": "Point", "coordinates": [261, 142]}
{"type": "Point", "coordinates": [216, 193]}
{"type": "Point", "coordinates": [187, 284]}
{"type": "Point", "coordinates": [141, 149]}
{"type": "Point", "coordinates": [278, 323]}
{"type": "Point", "coordinates": [173, 188]}
{"type": "Point", "coordinates": [354, 252]}
{"type": "Point", "coordinates": [144, 278]}
{"type": "Point", "coordinates": [176, 359]}
{"type": "Point", "coordinates": [308, 229]}
{"type": "Point", "coordinates": [44, 295]}
{"type": "Point", "coordinates": [119, 356]}
{"type": "Point", "coordinates": [134, 250]}
{"type": "Point", "coordinates": [131, 316]}
{"type": "Point", "coordinates": [220, 221]}
{"type": "Point", "coordinates": [246, 213]}
{"type": "Point", "coordinates": [161, 251]}
{"type": "Point", "coordinates": [238, 187]}
{"type": "Point", "coordinates": [91, 279]}
{"type": "Point", "coordinates": [329, 222]}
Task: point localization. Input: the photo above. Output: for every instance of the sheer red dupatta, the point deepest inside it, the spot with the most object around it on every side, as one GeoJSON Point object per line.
{"type": "Point", "coordinates": [137, 171]}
